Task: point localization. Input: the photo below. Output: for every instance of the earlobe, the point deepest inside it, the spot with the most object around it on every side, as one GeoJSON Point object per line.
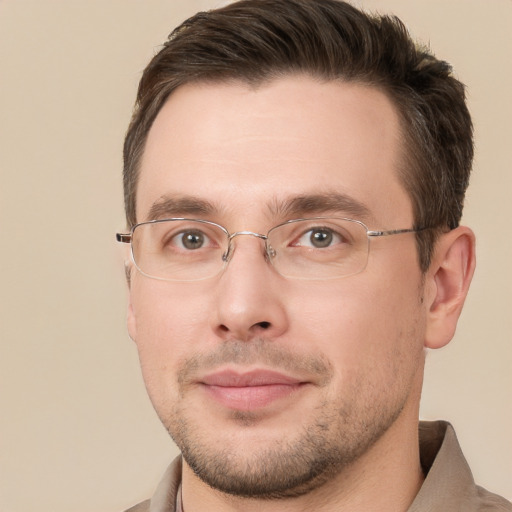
{"type": "Point", "coordinates": [448, 283]}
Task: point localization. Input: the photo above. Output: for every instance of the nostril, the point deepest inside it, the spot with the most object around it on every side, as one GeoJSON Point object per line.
{"type": "Point", "coordinates": [263, 325]}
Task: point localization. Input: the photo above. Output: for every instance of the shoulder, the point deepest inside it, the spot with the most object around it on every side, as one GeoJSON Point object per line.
{"type": "Point", "coordinates": [490, 502]}
{"type": "Point", "coordinates": [141, 507]}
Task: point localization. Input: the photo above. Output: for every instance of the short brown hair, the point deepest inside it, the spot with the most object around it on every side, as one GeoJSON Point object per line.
{"type": "Point", "coordinates": [254, 41]}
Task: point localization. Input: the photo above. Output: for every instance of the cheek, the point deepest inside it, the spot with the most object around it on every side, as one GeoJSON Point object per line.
{"type": "Point", "coordinates": [368, 328]}
{"type": "Point", "coordinates": [170, 320]}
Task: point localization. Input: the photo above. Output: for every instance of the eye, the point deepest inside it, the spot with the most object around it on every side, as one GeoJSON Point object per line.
{"type": "Point", "coordinates": [319, 238]}
{"type": "Point", "coordinates": [190, 240]}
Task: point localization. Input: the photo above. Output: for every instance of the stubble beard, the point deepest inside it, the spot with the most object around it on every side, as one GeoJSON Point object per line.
{"type": "Point", "coordinates": [336, 434]}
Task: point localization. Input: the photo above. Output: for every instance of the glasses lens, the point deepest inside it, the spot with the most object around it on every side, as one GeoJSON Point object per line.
{"type": "Point", "coordinates": [319, 248]}
{"type": "Point", "coordinates": [179, 249]}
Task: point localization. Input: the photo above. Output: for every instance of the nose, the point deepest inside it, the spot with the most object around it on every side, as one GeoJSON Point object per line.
{"type": "Point", "coordinates": [250, 300]}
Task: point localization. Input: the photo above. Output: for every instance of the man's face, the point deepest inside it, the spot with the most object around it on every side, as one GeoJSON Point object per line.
{"type": "Point", "coordinates": [270, 385]}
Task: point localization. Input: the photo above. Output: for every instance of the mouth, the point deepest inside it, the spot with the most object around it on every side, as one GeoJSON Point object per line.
{"type": "Point", "coordinates": [249, 391]}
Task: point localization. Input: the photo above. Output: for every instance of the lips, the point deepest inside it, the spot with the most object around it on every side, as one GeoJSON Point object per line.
{"type": "Point", "coordinates": [250, 390]}
{"type": "Point", "coordinates": [253, 378]}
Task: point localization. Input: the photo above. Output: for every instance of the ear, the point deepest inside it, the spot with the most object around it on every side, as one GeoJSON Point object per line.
{"type": "Point", "coordinates": [130, 318]}
{"type": "Point", "coordinates": [449, 277]}
{"type": "Point", "coordinates": [128, 268]}
{"type": "Point", "coordinates": [131, 321]}
{"type": "Point", "coordinates": [128, 272]}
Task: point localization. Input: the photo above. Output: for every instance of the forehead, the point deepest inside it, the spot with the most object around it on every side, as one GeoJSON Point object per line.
{"type": "Point", "coordinates": [245, 150]}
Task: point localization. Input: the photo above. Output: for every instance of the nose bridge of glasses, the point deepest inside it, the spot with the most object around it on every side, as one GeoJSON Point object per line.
{"type": "Point", "coordinates": [229, 252]}
{"type": "Point", "coordinates": [249, 233]}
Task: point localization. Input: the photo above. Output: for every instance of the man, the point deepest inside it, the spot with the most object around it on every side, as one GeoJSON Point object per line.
{"type": "Point", "coordinates": [294, 179]}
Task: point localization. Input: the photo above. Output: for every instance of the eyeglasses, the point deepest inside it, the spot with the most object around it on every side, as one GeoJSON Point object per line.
{"type": "Point", "coordinates": [319, 248]}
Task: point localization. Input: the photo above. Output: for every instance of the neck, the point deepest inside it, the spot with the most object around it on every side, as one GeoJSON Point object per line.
{"type": "Point", "coordinates": [386, 478]}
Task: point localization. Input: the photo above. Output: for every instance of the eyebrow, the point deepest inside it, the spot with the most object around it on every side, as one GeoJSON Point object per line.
{"type": "Point", "coordinates": [288, 208]}
{"type": "Point", "coordinates": [175, 206]}
{"type": "Point", "coordinates": [319, 204]}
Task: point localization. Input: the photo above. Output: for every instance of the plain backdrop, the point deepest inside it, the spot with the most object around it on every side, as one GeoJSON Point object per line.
{"type": "Point", "coordinates": [77, 432]}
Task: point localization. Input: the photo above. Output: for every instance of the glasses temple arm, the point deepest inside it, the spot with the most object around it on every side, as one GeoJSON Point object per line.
{"type": "Point", "coordinates": [125, 238]}
{"type": "Point", "coordinates": [393, 232]}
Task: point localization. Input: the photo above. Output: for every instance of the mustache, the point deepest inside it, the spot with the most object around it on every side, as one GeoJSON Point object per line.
{"type": "Point", "coordinates": [256, 352]}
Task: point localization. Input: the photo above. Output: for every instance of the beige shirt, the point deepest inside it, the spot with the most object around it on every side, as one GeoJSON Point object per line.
{"type": "Point", "coordinates": [448, 486]}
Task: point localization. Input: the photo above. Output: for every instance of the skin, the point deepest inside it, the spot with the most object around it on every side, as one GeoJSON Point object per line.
{"type": "Point", "coordinates": [355, 345]}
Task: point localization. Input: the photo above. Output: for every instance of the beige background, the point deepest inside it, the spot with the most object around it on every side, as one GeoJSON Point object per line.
{"type": "Point", "coordinates": [77, 432]}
